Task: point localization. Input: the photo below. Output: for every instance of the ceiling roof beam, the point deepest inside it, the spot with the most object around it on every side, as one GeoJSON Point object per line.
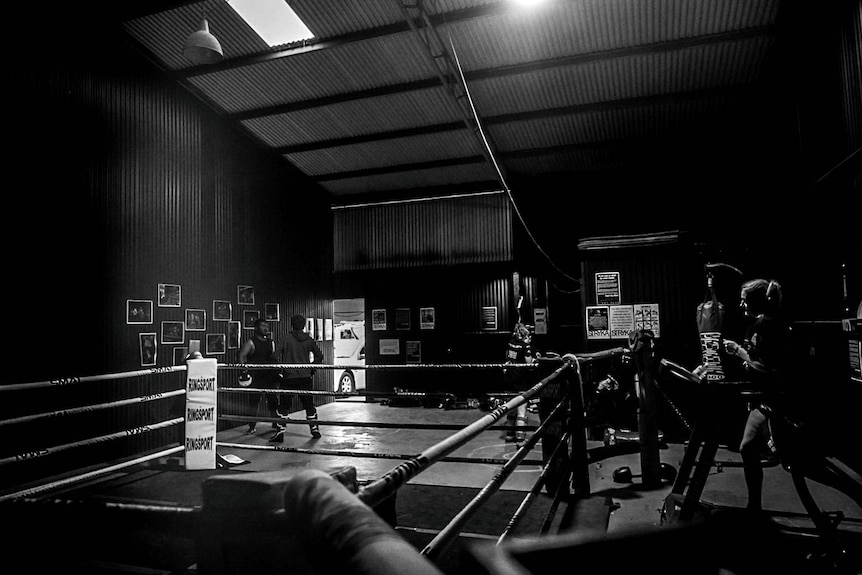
{"type": "Point", "coordinates": [366, 138]}
{"type": "Point", "coordinates": [624, 103]}
{"type": "Point", "coordinates": [414, 167]}
{"type": "Point", "coordinates": [643, 146]}
{"type": "Point", "coordinates": [503, 71]}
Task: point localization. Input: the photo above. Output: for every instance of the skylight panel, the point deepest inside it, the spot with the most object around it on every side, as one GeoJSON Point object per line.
{"type": "Point", "coordinates": [273, 20]}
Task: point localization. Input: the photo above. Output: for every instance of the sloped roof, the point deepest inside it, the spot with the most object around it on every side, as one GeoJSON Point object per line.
{"type": "Point", "coordinates": [385, 99]}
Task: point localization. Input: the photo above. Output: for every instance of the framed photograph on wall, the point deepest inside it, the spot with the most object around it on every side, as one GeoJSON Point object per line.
{"type": "Point", "coordinates": [245, 295]}
{"type": "Point", "coordinates": [180, 354]}
{"type": "Point", "coordinates": [215, 343]}
{"type": "Point", "coordinates": [426, 318]}
{"type": "Point", "coordinates": [139, 311]}
{"type": "Point", "coordinates": [196, 320]}
{"type": "Point", "coordinates": [249, 316]}
{"type": "Point", "coordinates": [222, 310]}
{"type": "Point", "coordinates": [148, 349]}
{"type": "Point", "coordinates": [402, 318]}
{"type": "Point", "coordinates": [170, 295]}
{"type": "Point", "coordinates": [233, 330]}
{"type": "Point", "coordinates": [271, 312]}
{"type": "Point", "coordinates": [173, 332]}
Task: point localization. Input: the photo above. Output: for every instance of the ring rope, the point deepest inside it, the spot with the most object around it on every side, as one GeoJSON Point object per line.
{"type": "Point", "coordinates": [443, 539]}
{"type": "Point", "coordinates": [30, 455]}
{"type": "Point", "coordinates": [64, 381]}
{"type": "Point", "coordinates": [90, 474]}
{"type": "Point", "coordinates": [385, 486]}
{"type": "Point", "coordinates": [91, 408]}
{"type": "Point", "coordinates": [562, 489]}
{"type": "Point", "coordinates": [408, 366]}
{"type": "Point", "coordinates": [534, 490]}
{"type": "Point", "coordinates": [366, 454]}
{"type": "Point", "coordinates": [361, 393]}
{"type": "Point", "coordinates": [375, 424]}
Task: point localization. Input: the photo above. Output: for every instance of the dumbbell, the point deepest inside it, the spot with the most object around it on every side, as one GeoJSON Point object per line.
{"type": "Point", "coordinates": [624, 474]}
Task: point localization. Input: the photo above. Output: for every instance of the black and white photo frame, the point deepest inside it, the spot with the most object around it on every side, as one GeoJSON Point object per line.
{"type": "Point", "coordinates": [216, 343]}
{"type": "Point", "coordinates": [170, 295]}
{"type": "Point", "coordinates": [222, 310]}
{"type": "Point", "coordinates": [173, 332]}
{"type": "Point", "coordinates": [249, 316]}
{"type": "Point", "coordinates": [148, 348]}
{"type": "Point", "coordinates": [196, 320]}
{"type": "Point", "coordinates": [245, 295]}
{"type": "Point", "coordinates": [271, 312]}
{"type": "Point", "coordinates": [139, 311]}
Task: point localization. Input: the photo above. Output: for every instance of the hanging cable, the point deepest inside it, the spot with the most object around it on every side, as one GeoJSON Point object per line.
{"type": "Point", "coordinates": [496, 166]}
{"type": "Point", "coordinates": [439, 58]}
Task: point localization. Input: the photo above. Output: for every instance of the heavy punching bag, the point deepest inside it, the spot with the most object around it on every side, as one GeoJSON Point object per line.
{"type": "Point", "coordinates": [710, 327]}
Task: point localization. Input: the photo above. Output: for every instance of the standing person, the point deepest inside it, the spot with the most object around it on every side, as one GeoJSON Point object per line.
{"type": "Point", "coordinates": [297, 348]}
{"type": "Point", "coordinates": [765, 355]}
{"type": "Point", "coordinates": [519, 349]}
{"type": "Point", "coordinates": [261, 349]}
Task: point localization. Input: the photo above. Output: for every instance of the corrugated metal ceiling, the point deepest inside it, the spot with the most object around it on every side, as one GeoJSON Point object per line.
{"type": "Point", "coordinates": [566, 86]}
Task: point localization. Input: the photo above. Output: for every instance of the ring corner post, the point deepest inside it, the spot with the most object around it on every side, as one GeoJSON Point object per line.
{"type": "Point", "coordinates": [578, 454]}
{"type": "Point", "coordinates": [645, 362]}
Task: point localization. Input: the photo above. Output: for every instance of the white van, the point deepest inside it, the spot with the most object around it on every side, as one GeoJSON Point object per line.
{"type": "Point", "coordinates": [349, 343]}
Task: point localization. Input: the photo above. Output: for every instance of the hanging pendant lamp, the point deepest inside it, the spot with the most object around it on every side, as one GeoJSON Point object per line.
{"type": "Point", "coordinates": [202, 47]}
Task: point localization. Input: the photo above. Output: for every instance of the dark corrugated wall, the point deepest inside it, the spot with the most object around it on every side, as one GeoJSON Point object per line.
{"type": "Point", "coordinates": [143, 186]}
{"type": "Point", "coordinates": [850, 60]}
{"type": "Point", "coordinates": [468, 229]}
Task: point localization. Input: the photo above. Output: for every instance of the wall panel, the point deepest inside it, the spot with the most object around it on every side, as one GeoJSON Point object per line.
{"type": "Point", "coordinates": [132, 183]}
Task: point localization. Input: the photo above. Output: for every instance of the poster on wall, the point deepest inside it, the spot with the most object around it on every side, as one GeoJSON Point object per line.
{"type": "Point", "coordinates": [148, 349]}
{"type": "Point", "coordinates": [413, 352]}
{"type": "Point", "coordinates": [856, 360]}
{"type": "Point", "coordinates": [196, 320]}
{"type": "Point", "coordinates": [318, 334]}
{"type": "Point", "coordinates": [489, 318]}
{"type": "Point", "coordinates": [646, 317]}
{"type": "Point", "coordinates": [139, 311]}
{"type": "Point", "coordinates": [607, 288]}
{"type": "Point", "coordinates": [598, 322]}
{"type": "Point", "coordinates": [173, 332]}
{"type": "Point", "coordinates": [233, 331]}
{"type": "Point", "coordinates": [309, 327]}
{"type": "Point", "coordinates": [540, 320]}
{"type": "Point", "coordinates": [327, 329]}
{"type": "Point", "coordinates": [426, 318]}
{"type": "Point", "coordinates": [245, 295]}
{"type": "Point", "coordinates": [390, 346]}
{"type": "Point", "coordinates": [622, 320]}
{"type": "Point", "coordinates": [402, 318]}
{"type": "Point", "coordinates": [169, 295]}
{"type": "Point", "coordinates": [222, 310]}
{"type": "Point", "coordinates": [378, 320]}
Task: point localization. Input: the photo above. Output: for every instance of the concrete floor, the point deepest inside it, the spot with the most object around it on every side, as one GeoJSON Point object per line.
{"type": "Point", "coordinates": [633, 507]}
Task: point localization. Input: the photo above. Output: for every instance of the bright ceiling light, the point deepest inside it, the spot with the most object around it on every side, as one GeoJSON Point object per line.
{"type": "Point", "coordinates": [273, 20]}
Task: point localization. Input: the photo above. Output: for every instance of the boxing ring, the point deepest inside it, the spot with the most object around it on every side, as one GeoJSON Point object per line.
{"type": "Point", "coordinates": [225, 513]}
